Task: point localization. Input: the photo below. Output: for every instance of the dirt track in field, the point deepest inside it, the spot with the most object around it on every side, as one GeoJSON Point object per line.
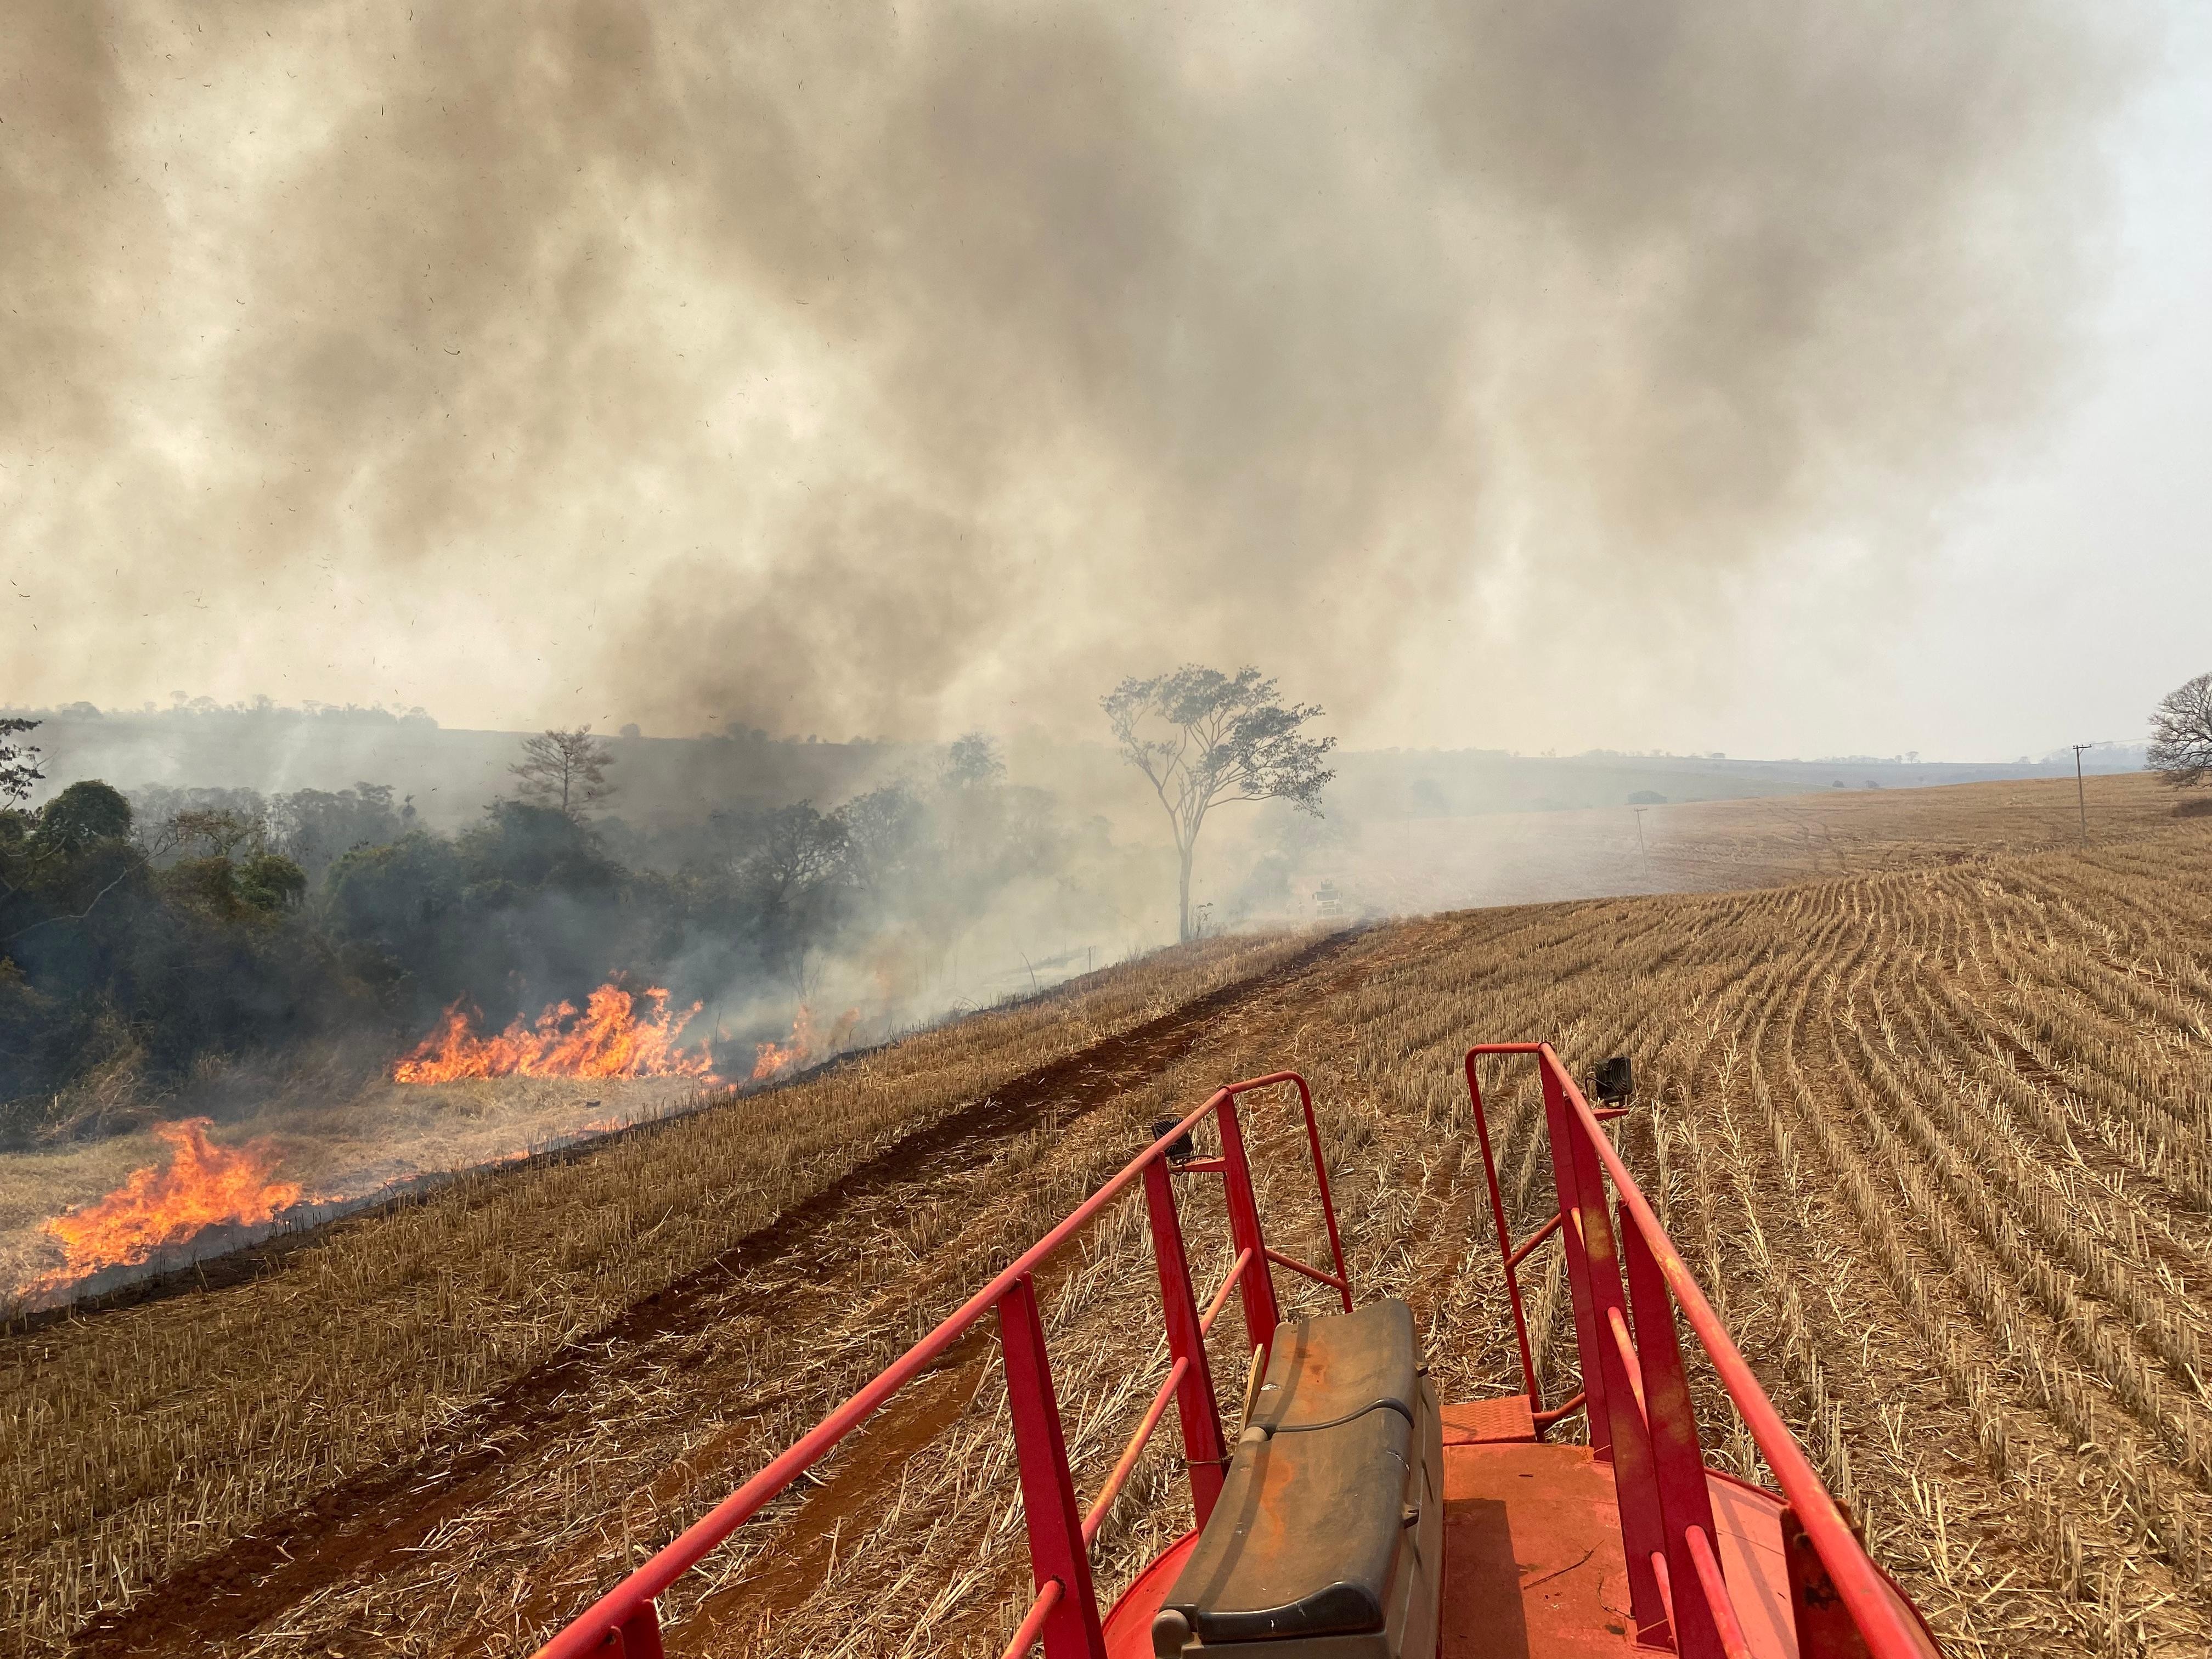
{"type": "Point", "coordinates": [367, 1526]}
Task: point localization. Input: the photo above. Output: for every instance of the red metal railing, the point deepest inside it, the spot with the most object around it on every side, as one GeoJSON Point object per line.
{"type": "Point", "coordinates": [1636, 1395]}
{"type": "Point", "coordinates": [1064, 1612]}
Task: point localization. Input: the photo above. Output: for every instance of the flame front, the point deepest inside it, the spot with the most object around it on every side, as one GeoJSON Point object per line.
{"type": "Point", "coordinates": [203, 1185]}
{"type": "Point", "coordinates": [607, 1039]}
{"type": "Point", "coordinates": [772, 1060]}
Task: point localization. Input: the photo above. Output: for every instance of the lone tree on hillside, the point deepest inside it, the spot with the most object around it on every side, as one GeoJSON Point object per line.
{"type": "Point", "coordinates": [1201, 737]}
{"type": "Point", "coordinates": [564, 769]}
{"type": "Point", "coordinates": [2181, 734]}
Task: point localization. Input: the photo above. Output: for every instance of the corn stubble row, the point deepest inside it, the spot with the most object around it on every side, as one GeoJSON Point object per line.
{"type": "Point", "coordinates": [1934, 1138]}
{"type": "Point", "coordinates": [1937, 1140]}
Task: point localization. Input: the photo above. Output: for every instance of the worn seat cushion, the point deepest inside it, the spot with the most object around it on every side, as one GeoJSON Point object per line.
{"type": "Point", "coordinates": [1303, 1540]}
{"type": "Point", "coordinates": [1333, 1367]}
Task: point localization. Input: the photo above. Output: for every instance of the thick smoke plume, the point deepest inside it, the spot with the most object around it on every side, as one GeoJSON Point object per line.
{"type": "Point", "coordinates": [875, 370]}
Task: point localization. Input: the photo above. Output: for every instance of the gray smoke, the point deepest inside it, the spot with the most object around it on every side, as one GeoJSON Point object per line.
{"type": "Point", "coordinates": [839, 367]}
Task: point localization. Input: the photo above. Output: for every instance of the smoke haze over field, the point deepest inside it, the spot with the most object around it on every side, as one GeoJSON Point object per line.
{"type": "Point", "coordinates": [887, 372]}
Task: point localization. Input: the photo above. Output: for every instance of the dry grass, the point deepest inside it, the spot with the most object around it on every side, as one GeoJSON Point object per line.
{"type": "Point", "coordinates": [1935, 1135]}
{"type": "Point", "coordinates": [137, 1440]}
{"type": "Point", "coordinates": [1437, 863]}
{"type": "Point", "coordinates": [1710, 844]}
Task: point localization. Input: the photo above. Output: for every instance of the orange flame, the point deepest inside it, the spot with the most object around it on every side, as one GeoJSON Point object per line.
{"type": "Point", "coordinates": [772, 1059]}
{"type": "Point", "coordinates": [203, 1186]}
{"type": "Point", "coordinates": [607, 1040]}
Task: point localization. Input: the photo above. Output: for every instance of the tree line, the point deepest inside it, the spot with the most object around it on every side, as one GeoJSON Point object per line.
{"type": "Point", "coordinates": [141, 937]}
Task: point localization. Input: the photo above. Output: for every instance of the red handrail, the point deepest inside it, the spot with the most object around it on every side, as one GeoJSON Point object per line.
{"type": "Point", "coordinates": [1065, 1613]}
{"type": "Point", "coordinates": [1236, 1276]}
{"type": "Point", "coordinates": [1637, 1391]}
{"type": "Point", "coordinates": [1032, 1625]}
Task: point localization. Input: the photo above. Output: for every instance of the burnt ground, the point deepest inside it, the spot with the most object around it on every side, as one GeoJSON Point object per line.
{"type": "Point", "coordinates": [377, 1524]}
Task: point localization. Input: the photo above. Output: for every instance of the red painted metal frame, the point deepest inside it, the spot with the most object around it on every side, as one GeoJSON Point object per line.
{"type": "Point", "coordinates": [1065, 1612]}
{"type": "Point", "coordinates": [1637, 1393]}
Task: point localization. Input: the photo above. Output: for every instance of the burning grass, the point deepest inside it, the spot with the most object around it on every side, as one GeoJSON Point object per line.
{"type": "Point", "coordinates": [161, 1205]}
{"type": "Point", "coordinates": [339, 1145]}
{"type": "Point", "coordinates": [806, 1044]}
{"type": "Point", "coordinates": [75, 1219]}
{"type": "Point", "coordinates": [608, 1038]}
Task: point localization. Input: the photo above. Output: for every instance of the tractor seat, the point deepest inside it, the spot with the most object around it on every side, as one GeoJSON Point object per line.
{"type": "Point", "coordinates": [1330, 1521]}
{"type": "Point", "coordinates": [1328, 1370]}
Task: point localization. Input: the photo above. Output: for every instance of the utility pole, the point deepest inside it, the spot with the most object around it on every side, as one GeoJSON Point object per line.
{"type": "Point", "coordinates": [2080, 799]}
{"type": "Point", "coordinates": [1643, 851]}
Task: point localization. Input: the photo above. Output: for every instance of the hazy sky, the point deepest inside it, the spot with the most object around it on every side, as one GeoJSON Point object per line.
{"type": "Point", "coordinates": [2071, 585]}
{"type": "Point", "coordinates": [1779, 379]}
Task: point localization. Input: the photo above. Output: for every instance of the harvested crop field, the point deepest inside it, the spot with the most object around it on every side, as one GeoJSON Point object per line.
{"type": "Point", "coordinates": [1417, 865]}
{"type": "Point", "coordinates": [1936, 1135]}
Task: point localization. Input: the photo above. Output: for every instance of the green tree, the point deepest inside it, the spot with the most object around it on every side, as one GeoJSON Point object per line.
{"type": "Point", "coordinates": [82, 814]}
{"type": "Point", "coordinates": [402, 898]}
{"type": "Point", "coordinates": [527, 849]}
{"type": "Point", "coordinates": [885, 833]}
{"type": "Point", "coordinates": [314, 827]}
{"type": "Point", "coordinates": [1202, 738]}
{"type": "Point", "coordinates": [75, 853]}
{"type": "Point", "coordinates": [272, 882]}
{"type": "Point", "coordinates": [19, 762]}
